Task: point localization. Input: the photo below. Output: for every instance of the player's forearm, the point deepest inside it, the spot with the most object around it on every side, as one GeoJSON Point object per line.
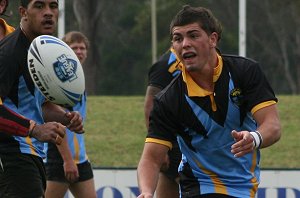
{"type": "Point", "coordinates": [64, 150]}
{"type": "Point", "coordinates": [53, 112]}
{"type": "Point", "coordinates": [270, 133]}
{"type": "Point", "coordinates": [13, 123]}
{"type": "Point", "coordinates": [268, 125]}
{"type": "Point", "coordinates": [147, 177]}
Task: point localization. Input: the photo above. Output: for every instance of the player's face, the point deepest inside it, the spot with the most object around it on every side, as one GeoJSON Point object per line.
{"type": "Point", "coordinates": [80, 50]}
{"type": "Point", "coordinates": [193, 46]}
{"type": "Point", "coordinates": [41, 17]}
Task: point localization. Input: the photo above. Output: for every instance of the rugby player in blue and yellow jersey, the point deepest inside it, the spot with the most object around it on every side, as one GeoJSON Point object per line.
{"type": "Point", "coordinates": [221, 110]}
{"type": "Point", "coordinates": [22, 128]}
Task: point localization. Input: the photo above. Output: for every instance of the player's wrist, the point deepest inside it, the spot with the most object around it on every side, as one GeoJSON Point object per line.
{"type": "Point", "coordinates": [257, 139]}
{"type": "Point", "coordinates": [31, 128]}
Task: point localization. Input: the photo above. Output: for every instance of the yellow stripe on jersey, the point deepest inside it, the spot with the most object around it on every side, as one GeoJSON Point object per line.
{"type": "Point", "coordinates": [76, 148]}
{"type": "Point", "coordinates": [1, 102]}
{"type": "Point", "coordinates": [262, 105]}
{"type": "Point", "coordinates": [158, 141]}
{"type": "Point", "coordinates": [219, 185]}
{"type": "Point", "coordinates": [29, 142]}
{"type": "Point", "coordinates": [254, 179]}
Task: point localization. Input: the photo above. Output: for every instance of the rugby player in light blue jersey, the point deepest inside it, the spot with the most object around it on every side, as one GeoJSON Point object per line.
{"type": "Point", "coordinates": [221, 110]}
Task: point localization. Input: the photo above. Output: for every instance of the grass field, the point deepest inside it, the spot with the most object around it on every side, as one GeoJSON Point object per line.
{"type": "Point", "coordinates": [115, 132]}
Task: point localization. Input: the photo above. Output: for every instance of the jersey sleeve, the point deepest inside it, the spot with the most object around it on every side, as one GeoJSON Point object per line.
{"type": "Point", "coordinates": [163, 126]}
{"type": "Point", "coordinates": [256, 87]}
{"type": "Point", "coordinates": [159, 75]}
{"type": "Point", "coordinates": [12, 123]}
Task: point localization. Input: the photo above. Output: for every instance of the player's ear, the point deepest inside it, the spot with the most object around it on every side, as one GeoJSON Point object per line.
{"type": "Point", "coordinates": [23, 12]}
{"type": "Point", "coordinates": [213, 39]}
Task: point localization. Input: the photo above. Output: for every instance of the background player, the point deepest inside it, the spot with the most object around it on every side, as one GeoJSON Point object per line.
{"type": "Point", "coordinates": [60, 172]}
{"type": "Point", "coordinates": [22, 128]}
{"type": "Point", "coordinates": [160, 75]}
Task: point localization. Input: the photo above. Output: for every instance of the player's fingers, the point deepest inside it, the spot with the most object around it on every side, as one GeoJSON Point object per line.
{"type": "Point", "coordinates": [75, 117]}
{"type": "Point", "coordinates": [235, 134]}
{"type": "Point", "coordinates": [74, 177]}
{"type": "Point", "coordinates": [243, 152]}
{"type": "Point", "coordinates": [58, 140]}
{"type": "Point", "coordinates": [243, 149]}
{"type": "Point", "coordinates": [77, 127]}
{"type": "Point", "coordinates": [60, 130]}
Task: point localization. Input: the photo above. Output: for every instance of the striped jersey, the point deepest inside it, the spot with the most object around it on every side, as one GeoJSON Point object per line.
{"type": "Point", "coordinates": [75, 141]}
{"type": "Point", "coordinates": [202, 121]}
{"type": "Point", "coordinates": [164, 70]}
{"type": "Point", "coordinates": [18, 93]}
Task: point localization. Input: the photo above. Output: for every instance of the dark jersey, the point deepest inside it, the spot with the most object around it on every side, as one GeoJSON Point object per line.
{"type": "Point", "coordinates": [18, 94]}
{"type": "Point", "coordinates": [160, 75]}
{"type": "Point", "coordinates": [164, 70]}
{"type": "Point", "coordinates": [202, 124]}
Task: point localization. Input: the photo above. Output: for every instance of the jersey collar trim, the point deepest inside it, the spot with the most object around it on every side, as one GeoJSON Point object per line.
{"type": "Point", "coordinates": [196, 90]}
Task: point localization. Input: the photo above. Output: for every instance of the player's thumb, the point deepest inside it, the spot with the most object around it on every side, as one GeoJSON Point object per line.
{"type": "Point", "coordinates": [235, 135]}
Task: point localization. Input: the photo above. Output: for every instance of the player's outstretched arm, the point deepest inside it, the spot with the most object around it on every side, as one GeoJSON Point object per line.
{"type": "Point", "coordinates": [269, 125]}
{"type": "Point", "coordinates": [149, 167]}
{"type": "Point", "coordinates": [13, 123]}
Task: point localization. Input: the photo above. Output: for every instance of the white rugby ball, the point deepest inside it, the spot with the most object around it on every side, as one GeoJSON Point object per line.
{"type": "Point", "coordinates": [56, 70]}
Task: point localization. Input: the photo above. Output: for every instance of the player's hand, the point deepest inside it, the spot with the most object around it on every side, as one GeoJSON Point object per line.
{"type": "Point", "coordinates": [71, 171]}
{"type": "Point", "coordinates": [49, 132]}
{"type": "Point", "coordinates": [75, 122]}
{"type": "Point", "coordinates": [244, 143]}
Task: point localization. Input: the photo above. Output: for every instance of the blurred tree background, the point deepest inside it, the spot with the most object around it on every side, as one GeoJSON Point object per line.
{"type": "Point", "coordinates": [120, 36]}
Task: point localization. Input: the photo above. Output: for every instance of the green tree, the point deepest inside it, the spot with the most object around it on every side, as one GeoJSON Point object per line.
{"type": "Point", "coordinates": [120, 36]}
{"type": "Point", "coordinates": [274, 40]}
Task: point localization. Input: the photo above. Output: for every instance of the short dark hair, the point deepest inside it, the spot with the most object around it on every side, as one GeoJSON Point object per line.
{"type": "Point", "coordinates": [203, 16]}
{"type": "Point", "coordinates": [75, 36]}
{"type": "Point", "coordinates": [24, 3]}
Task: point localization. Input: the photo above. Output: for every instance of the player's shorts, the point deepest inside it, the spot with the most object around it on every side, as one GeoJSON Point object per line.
{"type": "Point", "coordinates": [175, 159]}
{"type": "Point", "coordinates": [55, 172]}
{"type": "Point", "coordinates": [22, 175]}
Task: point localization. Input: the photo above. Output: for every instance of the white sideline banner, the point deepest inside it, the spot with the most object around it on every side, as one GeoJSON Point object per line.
{"type": "Point", "coordinates": [122, 183]}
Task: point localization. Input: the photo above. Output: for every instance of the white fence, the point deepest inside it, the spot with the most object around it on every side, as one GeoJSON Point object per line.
{"type": "Point", "coordinates": [122, 183]}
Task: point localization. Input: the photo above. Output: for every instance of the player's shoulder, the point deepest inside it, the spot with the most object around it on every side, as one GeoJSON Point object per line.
{"type": "Point", "coordinates": [238, 60]}
{"type": "Point", "coordinates": [239, 63]}
{"type": "Point", "coordinates": [9, 44]}
{"type": "Point", "coordinates": [172, 90]}
{"type": "Point", "coordinates": [162, 60]}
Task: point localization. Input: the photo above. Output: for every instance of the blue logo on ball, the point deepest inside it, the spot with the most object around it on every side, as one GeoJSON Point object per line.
{"type": "Point", "coordinates": [65, 68]}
